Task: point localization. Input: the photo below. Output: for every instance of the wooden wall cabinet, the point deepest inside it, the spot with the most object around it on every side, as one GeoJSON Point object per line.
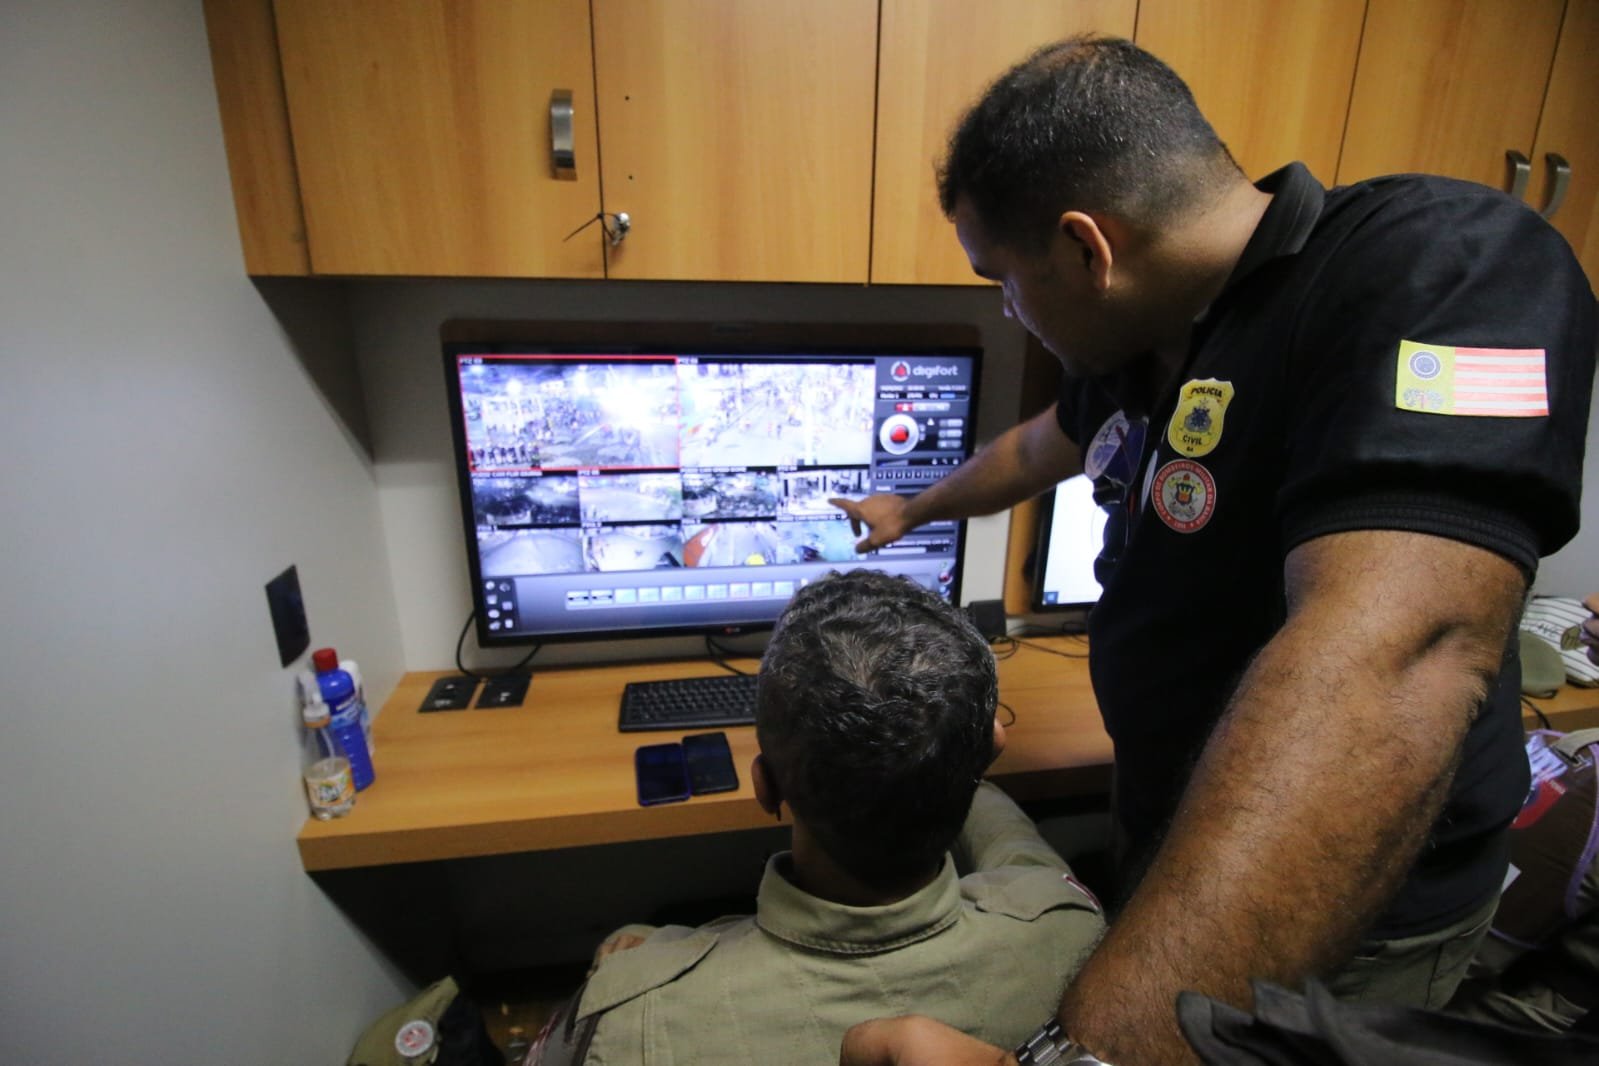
{"type": "Point", "coordinates": [1447, 86]}
{"type": "Point", "coordinates": [1568, 129]}
{"type": "Point", "coordinates": [422, 135]}
{"type": "Point", "coordinates": [755, 141]}
{"type": "Point", "coordinates": [738, 137]}
{"type": "Point", "coordinates": [1273, 78]}
{"type": "Point", "coordinates": [1450, 86]}
{"type": "Point", "coordinates": [935, 57]}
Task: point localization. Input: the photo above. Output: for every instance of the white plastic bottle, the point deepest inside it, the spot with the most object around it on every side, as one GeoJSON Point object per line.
{"type": "Point", "coordinates": [329, 785]}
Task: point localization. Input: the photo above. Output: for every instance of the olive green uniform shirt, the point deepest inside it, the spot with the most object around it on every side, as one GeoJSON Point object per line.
{"type": "Point", "coordinates": [988, 953]}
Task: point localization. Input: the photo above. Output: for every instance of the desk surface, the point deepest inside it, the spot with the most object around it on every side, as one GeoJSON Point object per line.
{"type": "Point", "coordinates": [556, 773]}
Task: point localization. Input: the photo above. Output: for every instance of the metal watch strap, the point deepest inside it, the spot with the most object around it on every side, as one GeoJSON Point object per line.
{"type": "Point", "coordinates": [1050, 1046]}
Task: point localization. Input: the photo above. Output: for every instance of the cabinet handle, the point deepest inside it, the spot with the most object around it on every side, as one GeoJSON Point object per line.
{"type": "Point", "coordinates": [1557, 195]}
{"type": "Point", "coordinates": [563, 161]}
{"type": "Point", "coordinates": [1521, 172]}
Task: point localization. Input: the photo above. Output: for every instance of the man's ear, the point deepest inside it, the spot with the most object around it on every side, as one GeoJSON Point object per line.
{"type": "Point", "coordinates": [767, 794]}
{"type": "Point", "coordinates": [1094, 246]}
{"type": "Point", "coordinates": [999, 737]}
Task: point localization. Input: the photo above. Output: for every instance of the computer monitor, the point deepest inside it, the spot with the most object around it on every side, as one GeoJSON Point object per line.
{"type": "Point", "coordinates": [1071, 531]}
{"type": "Point", "coordinates": [630, 490]}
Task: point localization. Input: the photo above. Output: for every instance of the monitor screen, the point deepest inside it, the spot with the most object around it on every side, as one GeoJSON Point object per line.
{"type": "Point", "coordinates": [1071, 531]}
{"type": "Point", "coordinates": [645, 492]}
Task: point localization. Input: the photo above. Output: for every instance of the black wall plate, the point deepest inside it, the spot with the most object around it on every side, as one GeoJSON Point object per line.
{"type": "Point", "coordinates": [507, 691]}
{"type": "Point", "coordinates": [450, 693]}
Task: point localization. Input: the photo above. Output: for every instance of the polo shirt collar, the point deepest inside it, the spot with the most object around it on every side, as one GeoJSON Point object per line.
{"type": "Point", "coordinates": [791, 914]}
{"type": "Point", "coordinates": [1296, 203]}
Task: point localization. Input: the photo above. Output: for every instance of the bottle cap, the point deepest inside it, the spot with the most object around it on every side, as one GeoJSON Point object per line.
{"type": "Point", "coordinates": [325, 659]}
{"type": "Point", "coordinates": [315, 714]}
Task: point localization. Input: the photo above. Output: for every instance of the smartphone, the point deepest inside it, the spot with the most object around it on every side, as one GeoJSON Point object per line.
{"type": "Point", "coordinates": [710, 763]}
{"type": "Point", "coordinates": [662, 774]}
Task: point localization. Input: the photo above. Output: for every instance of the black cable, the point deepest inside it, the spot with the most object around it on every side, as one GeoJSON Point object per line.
{"type": "Point", "coordinates": [1537, 712]}
{"type": "Point", "coordinates": [1012, 711]}
{"type": "Point", "coordinates": [1052, 651]}
{"type": "Point", "coordinates": [1004, 647]}
{"type": "Point", "coordinates": [718, 655]}
{"type": "Point", "coordinates": [474, 675]}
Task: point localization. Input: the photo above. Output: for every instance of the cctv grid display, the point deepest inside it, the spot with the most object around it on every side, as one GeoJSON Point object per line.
{"type": "Point", "coordinates": [638, 493]}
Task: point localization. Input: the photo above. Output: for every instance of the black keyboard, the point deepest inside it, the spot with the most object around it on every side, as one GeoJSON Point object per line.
{"type": "Point", "coordinates": [691, 703]}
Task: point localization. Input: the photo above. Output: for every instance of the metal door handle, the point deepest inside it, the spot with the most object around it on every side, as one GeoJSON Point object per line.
{"type": "Point", "coordinates": [1521, 172]}
{"type": "Point", "coordinates": [563, 160]}
{"type": "Point", "coordinates": [1562, 178]}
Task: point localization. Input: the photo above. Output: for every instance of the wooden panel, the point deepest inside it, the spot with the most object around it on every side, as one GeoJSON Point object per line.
{"type": "Point", "coordinates": [421, 132]}
{"type": "Point", "coordinates": [1273, 78]}
{"type": "Point", "coordinates": [738, 136]}
{"type": "Point", "coordinates": [255, 130]}
{"type": "Point", "coordinates": [1569, 127]}
{"type": "Point", "coordinates": [556, 773]}
{"type": "Point", "coordinates": [1041, 373]}
{"type": "Point", "coordinates": [1446, 86]}
{"type": "Point", "coordinates": [936, 58]}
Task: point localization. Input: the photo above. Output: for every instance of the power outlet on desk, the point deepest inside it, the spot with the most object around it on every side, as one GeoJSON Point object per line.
{"type": "Point", "coordinates": [450, 694]}
{"type": "Point", "coordinates": [507, 691]}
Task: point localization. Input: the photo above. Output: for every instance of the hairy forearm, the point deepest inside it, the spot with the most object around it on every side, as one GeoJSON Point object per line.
{"type": "Point", "coordinates": [1018, 465]}
{"type": "Point", "coordinates": [1311, 800]}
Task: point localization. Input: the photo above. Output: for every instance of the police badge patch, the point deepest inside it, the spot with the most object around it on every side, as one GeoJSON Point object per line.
{"type": "Point", "coordinates": [1184, 495]}
{"type": "Point", "coordinates": [1196, 425]}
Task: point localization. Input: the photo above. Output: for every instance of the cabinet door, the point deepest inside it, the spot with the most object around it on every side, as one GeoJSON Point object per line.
{"type": "Point", "coordinates": [422, 135]}
{"type": "Point", "coordinates": [737, 136]}
{"type": "Point", "coordinates": [1569, 129]}
{"type": "Point", "coordinates": [1448, 86]}
{"type": "Point", "coordinates": [936, 57]}
{"type": "Point", "coordinates": [1273, 78]}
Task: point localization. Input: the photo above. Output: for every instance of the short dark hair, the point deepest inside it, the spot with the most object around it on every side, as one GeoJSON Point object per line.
{"type": "Point", "coordinates": [875, 713]}
{"type": "Point", "coordinates": [1090, 124]}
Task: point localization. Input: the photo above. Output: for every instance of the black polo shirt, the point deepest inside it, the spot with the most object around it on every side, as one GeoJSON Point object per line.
{"type": "Point", "coordinates": [1409, 353]}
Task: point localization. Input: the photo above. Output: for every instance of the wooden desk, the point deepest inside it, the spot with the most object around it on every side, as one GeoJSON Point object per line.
{"type": "Point", "coordinates": [556, 773]}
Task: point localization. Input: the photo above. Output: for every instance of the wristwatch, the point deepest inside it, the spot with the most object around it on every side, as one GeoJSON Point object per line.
{"type": "Point", "coordinates": [1050, 1046]}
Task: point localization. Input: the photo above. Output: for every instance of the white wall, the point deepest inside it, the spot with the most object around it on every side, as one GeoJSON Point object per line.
{"type": "Point", "coordinates": [397, 337]}
{"type": "Point", "coordinates": [166, 453]}
{"type": "Point", "coordinates": [1574, 570]}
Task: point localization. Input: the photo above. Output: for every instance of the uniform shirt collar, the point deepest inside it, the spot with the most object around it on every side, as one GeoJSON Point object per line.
{"type": "Point", "coordinates": [1296, 203]}
{"type": "Point", "coordinates": [791, 914]}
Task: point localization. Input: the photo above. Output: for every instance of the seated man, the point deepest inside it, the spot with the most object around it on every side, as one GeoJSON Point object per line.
{"type": "Point", "coordinates": [875, 718]}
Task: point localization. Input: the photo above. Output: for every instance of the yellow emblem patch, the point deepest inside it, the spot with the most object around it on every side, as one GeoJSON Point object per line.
{"type": "Point", "coordinates": [1196, 425]}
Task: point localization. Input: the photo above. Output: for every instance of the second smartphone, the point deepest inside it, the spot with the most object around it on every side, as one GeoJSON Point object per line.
{"type": "Point", "coordinates": [710, 763]}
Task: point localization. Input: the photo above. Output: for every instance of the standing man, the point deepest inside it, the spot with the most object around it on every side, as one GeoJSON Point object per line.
{"type": "Point", "coordinates": [1336, 429]}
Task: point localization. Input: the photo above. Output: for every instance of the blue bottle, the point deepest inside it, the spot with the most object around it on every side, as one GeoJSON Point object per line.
{"type": "Point", "coordinates": [344, 706]}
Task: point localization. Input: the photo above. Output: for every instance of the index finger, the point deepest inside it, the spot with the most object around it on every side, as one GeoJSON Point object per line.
{"type": "Point", "coordinates": [850, 509]}
{"type": "Point", "coordinates": [1592, 603]}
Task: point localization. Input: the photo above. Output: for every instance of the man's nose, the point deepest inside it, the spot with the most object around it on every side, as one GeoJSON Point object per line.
{"type": "Point", "coordinates": [1010, 311]}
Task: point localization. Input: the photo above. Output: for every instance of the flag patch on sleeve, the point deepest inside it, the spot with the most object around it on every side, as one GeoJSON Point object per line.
{"type": "Point", "coordinates": [1495, 382]}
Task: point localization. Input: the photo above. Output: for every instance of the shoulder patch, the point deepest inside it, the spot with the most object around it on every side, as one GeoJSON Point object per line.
{"type": "Point", "coordinates": [1442, 379]}
{"type": "Point", "coordinates": [631, 973]}
{"type": "Point", "coordinates": [1026, 893]}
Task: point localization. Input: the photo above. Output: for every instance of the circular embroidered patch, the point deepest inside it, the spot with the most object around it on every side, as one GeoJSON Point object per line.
{"type": "Point", "coordinates": [1184, 495]}
{"type": "Point", "coordinates": [414, 1039]}
{"type": "Point", "coordinates": [1103, 449]}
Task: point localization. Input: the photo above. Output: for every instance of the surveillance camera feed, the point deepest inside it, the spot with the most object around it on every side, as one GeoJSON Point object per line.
{"type": "Point", "coordinates": [611, 494]}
